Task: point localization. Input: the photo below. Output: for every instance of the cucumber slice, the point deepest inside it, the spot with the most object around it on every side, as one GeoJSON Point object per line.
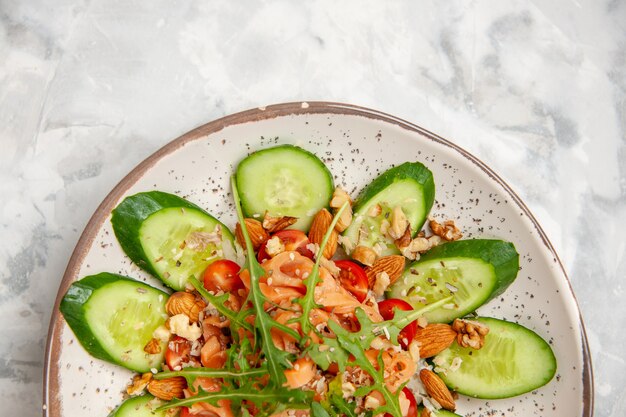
{"type": "Point", "coordinates": [113, 318]}
{"type": "Point", "coordinates": [142, 406]}
{"type": "Point", "coordinates": [285, 181]}
{"type": "Point", "coordinates": [168, 236]}
{"type": "Point", "coordinates": [514, 360]}
{"type": "Point", "coordinates": [438, 413]}
{"type": "Point", "coordinates": [409, 186]}
{"type": "Point", "coordinates": [472, 271]}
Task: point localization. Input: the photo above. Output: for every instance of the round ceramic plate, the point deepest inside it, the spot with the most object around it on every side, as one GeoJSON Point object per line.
{"type": "Point", "coordinates": [357, 144]}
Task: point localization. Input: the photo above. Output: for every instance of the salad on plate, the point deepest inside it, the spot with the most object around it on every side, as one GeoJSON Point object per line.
{"type": "Point", "coordinates": [316, 305]}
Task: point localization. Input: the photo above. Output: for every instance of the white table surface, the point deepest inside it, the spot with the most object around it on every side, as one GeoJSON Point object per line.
{"type": "Point", "coordinates": [88, 89]}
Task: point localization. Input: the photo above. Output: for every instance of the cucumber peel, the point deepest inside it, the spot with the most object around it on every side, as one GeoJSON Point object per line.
{"type": "Point", "coordinates": [410, 186]}
{"type": "Point", "coordinates": [155, 229]}
{"type": "Point", "coordinates": [513, 360]}
{"type": "Point", "coordinates": [114, 317]}
{"type": "Point", "coordinates": [473, 271]}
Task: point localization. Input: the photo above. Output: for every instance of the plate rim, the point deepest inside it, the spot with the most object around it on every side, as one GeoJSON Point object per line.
{"type": "Point", "coordinates": [51, 405]}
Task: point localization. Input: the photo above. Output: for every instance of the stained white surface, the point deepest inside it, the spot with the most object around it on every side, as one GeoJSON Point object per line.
{"type": "Point", "coordinates": [89, 89]}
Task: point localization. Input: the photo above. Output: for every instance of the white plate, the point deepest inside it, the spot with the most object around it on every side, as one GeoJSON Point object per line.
{"type": "Point", "coordinates": [356, 144]}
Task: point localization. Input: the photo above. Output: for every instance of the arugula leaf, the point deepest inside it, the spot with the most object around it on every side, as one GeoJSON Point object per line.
{"type": "Point", "coordinates": [277, 360]}
{"type": "Point", "coordinates": [270, 395]}
{"type": "Point", "coordinates": [327, 352]}
{"type": "Point", "coordinates": [190, 374]}
{"type": "Point", "coordinates": [308, 301]}
{"type": "Point", "coordinates": [317, 410]}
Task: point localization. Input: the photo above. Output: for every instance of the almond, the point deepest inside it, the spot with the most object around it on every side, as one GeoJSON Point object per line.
{"type": "Point", "coordinates": [275, 224]}
{"type": "Point", "coordinates": [436, 389]}
{"type": "Point", "coordinates": [140, 382]}
{"type": "Point", "coordinates": [393, 265]}
{"type": "Point", "coordinates": [258, 235]}
{"type": "Point", "coordinates": [185, 303]}
{"type": "Point", "coordinates": [319, 227]}
{"type": "Point", "coordinates": [425, 412]}
{"type": "Point", "coordinates": [434, 338]}
{"type": "Point", "coordinates": [169, 388]}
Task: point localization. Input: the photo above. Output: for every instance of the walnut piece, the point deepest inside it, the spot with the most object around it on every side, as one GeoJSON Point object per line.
{"type": "Point", "coordinates": [153, 346]}
{"type": "Point", "coordinates": [140, 382]}
{"type": "Point", "coordinates": [274, 224]}
{"type": "Point", "coordinates": [365, 255]}
{"type": "Point", "coordinates": [399, 223]}
{"type": "Point", "coordinates": [470, 333]}
{"type": "Point", "coordinates": [274, 246]}
{"type": "Point", "coordinates": [339, 198]}
{"type": "Point", "coordinates": [447, 231]}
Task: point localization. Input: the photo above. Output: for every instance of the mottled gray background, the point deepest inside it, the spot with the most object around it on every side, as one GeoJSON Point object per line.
{"type": "Point", "coordinates": [88, 89]}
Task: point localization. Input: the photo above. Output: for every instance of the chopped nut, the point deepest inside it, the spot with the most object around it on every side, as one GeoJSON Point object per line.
{"type": "Point", "coordinates": [330, 266]}
{"type": "Point", "coordinates": [447, 231]}
{"type": "Point", "coordinates": [162, 333]}
{"type": "Point", "coordinates": [375, 210]}
{"type": "Point", "coordinates": [275, 224]}
{"type": "Point", "coordinates": [338, 200]}
{"type": "Point", "coordinates": [153, 347]}
{"type": "Point", "coordinates": [140, 382]}
{"type": "Point", "coordinates": [256, 232]}
{"type": "Point", "coordinates": [381, 283]}
{"type": "Point", "coordinates": [399, 223]}
{"type": "Point", "coordinates": [371, 402]}
{"type": "Point", "coordinates": [347, 243]}
{"type": "Point", "coordinates": [384, 227]}
{"type": "Point", "coordinates": [274, 246]}
{"type": "Point", "coordinates": [405, 239]}
{"type": "Point", "coordinates": [417, 246]}
{"type": "Point", "coordinates": [348, 389]}
{"type": "Point", "coordinates": [179, 325]}
{"type": "Point", "coordinates": [364, 255]}
{"type": "Point", "coordinates": [185, 303]}
{"type": "Point", "coordinates": [470, 333]}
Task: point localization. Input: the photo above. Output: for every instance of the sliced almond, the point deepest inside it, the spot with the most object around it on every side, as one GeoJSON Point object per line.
{"type": "Point", "coordinates": [169, 388]}
{"type": "Point", "coordinates": [258, 235]}
{"type": "Point", "coordinates": [436, 389]}
{"type": "Point", "coordinates": [319, 227]}
{"type": "Point", "coordinates": [393, 265]}
{"type": "Point", "coordinates": [434, 338]}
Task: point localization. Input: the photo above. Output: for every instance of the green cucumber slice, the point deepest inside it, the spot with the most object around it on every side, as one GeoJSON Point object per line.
{"type": "Point", "coordinates": [409, 186]}
{"type": "Point", "coordinates": [168, 236]}
{"type": "Point", "coordinates": [142, 406]}
{"type": "Point", "coordinates": [114, 317]}
{"type": "Point", "coordinates": [472, 271]}
{"type": "Point", "coordinates": [438, 413]}
{"type": "Point", "coordinates": [285, 181]}
{"type": "Point", "coordinates": [514, 360]}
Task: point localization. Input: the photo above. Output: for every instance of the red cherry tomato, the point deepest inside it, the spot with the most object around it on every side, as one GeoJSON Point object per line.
{"type": "Point", "coordinates": [222, 275]}
{"type": "Point", "coordinates": [186, 412]}
{"type": "Point", "coordinates": [387, 307]}
{"type": "Point", "coordinates": [293, 240]}
{"type": "Point", "coordinates": [412, 411]}
{"type": "Point", "coordinates": [178, 352]}
{"type": "Point", "coordinates": [353, 278]}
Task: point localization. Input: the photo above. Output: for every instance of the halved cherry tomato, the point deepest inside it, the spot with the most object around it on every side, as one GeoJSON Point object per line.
{"type": "Point", "coordinates": [412, 411]}
{"type": "Point", "coordinates": [353, 278]}
{"type": "Point", "coordinates": [293, 240]}
{"type": "Point", "coordinates": [387, 310]}
{"type": "Point", "coordinates": [186, 412]}
{"type": "Point", "coordinates": [222, 275]}
{"type": "Point", "coordinates": [178, 352]}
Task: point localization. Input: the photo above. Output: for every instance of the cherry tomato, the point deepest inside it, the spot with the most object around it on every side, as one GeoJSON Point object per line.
{"type": "Point", "coordinates": [186, 412]}
{"type": "Point", "coordinates": [412, 411]}
{"type": "Point", "coordinates": [353, 278]}
{"type": "Point", "coordinates": [222, 275]}
{"type": "Point", "coordinates": [387, 307]}
{"type": "Point", "coordinates": [178, 352]}
{"type": "Point", "coordinates": [293, 240]}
